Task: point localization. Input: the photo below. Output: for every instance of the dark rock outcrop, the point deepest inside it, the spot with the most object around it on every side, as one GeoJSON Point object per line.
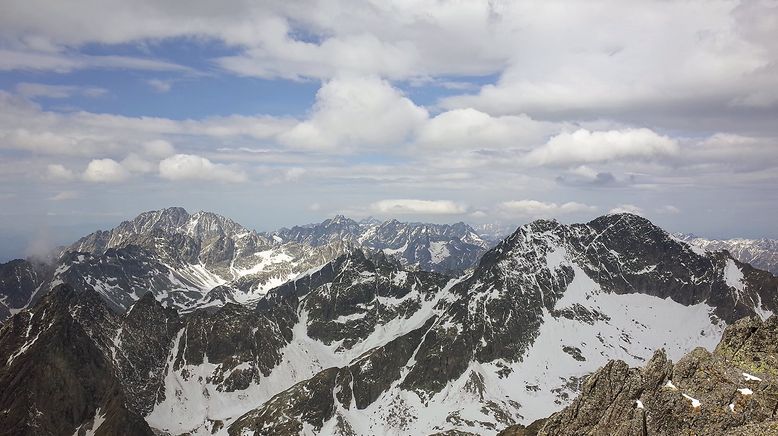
{"type": "Point", "coordinates": [55, 378]}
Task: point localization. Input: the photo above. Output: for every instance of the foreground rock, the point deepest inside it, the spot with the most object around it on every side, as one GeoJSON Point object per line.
{"type": "Point", "coordinates": [732, 391]}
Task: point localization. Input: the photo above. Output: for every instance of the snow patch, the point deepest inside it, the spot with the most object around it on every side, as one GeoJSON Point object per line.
{"type": "Point", "coordinates": [695, 402]}
{"type": "Point", "coordinates": [734, 278]}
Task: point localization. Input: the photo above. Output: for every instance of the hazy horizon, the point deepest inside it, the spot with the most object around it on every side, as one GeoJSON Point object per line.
{"type": "Point", "coordinates": [48, 239]}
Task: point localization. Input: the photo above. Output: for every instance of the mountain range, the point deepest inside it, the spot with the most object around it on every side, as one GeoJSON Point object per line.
{"type": "Point", "coordinates": [174, 323]}
{"type": "Point", "coordinates": [204, 259]}
{"type": "Point", "coordinates": [760, 253]}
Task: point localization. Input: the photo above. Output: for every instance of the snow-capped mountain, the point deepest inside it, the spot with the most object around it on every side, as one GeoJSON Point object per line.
{"type": "Point", "coordinates": [446, 248]}
{"type": "Point", "coordinates": [760, 253]}
{"type": "Point", "coordinates": [205, 260]}
{"type": "Point", "coordinates": [367, 345]}
{"type": "Point", "coordinates": [186, 261]}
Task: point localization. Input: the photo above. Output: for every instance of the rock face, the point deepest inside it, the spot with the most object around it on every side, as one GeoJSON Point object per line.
{"type": "Point", "coordinates": [733, 390]}
{"type": "Point", "coordinates": [55, 374]}
{"type": "Point", "coordinates": [760, 253]}
{"type": "Point", "coordinates": [445, 248]}
{"type": "Point", "coordinates": [360, 342]}
{"type": "Point", "coordinates": [19, 281]}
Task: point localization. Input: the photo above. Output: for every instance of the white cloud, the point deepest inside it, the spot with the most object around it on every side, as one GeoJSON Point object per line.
{"type": "Point", "coordinates": [192, 167]}
{"type": "Point", "coordinates": [686, 55]}
{"type": "Point", "coordinates": [158, 148]}
{"type": "Point", "coordinates": [470, 128]}
{"type": "Point", "coordinates": [627, 208]}
{"type": "Point", "coordinates": [537, 209]}
{"type": "Point", "coordinates": [105, 171]}
{"type": "Point", "coordinates": [41, 141]}
{"type": "Point", "coordinates": [25, 126]}
{"type": "Point", "coordinates": [62, 63]}
{"type": "Point", "coordinates": [58, 172]}
{"type": "Point", "coordinates": [34, 90]}
{"type": "Point", "coordinates": [584, 146]}
{"type": "Point", "coordinates": [137, 164]}
{"type": "Point", "coordinates": [421, 207]}
{"type": "Point", "coordinates": [356, 112]}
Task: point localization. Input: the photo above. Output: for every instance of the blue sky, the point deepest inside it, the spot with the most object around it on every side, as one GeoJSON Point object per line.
{"type": "Point", "coordinates": [279, 113]}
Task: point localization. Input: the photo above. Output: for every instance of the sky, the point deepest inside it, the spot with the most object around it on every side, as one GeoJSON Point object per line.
{"type": "Point", "coordinates": [276, 113]}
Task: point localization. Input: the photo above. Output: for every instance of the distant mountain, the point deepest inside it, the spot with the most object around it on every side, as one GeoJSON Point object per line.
{"type": "Point", "coordinates": [367, 344]}
{"type": "Point", "coordinates": [731, 391]}
{"type": "Point", "coordinates": [179, 257]}
{"type": "Point", "coordinates": [446, 248]}
{"type": "Point", "coordinates": [760, 253]}
{"type": "Point", "coordinates": [493, 233]}
{"type": "Point", "coordinates": [206, 260]}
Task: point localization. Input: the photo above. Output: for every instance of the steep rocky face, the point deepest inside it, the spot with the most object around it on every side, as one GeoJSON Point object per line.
{"type": "Point", "coordinates": [19, 281]}
{"type": "Point", "coordinates": [362, 294]}
{"type": "Point", "coordinates": [228, 360]}
{"type": "Point", "coordinates": [431, 247]}
{"type": "Point", "coordinates": [140, 349]}
{"type": "Point", "coordinates": [122, 275]}
{"type": "Point", "coordinates": [760, 253]}
{"type": "Point", "coordinates": [54, 374]}
{"type": "Point", "coordinates": [733, 390]}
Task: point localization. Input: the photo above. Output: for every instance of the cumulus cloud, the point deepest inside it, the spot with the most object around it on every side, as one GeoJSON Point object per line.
{"type": "Point", "coordinates": [356, 112]}
{"type": "Point", "coordinates": [537, 209]}
{"type": "Point", "coordinates": [105, 171]}
{"type": "Point", "coordinates": [192, 167]}
{"type": "Point", "coordinates": [470, 128]}
{"type": "Point", "coordinates": [584, 146]}
{"type": "Point", "coordinates": [420, 207]}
